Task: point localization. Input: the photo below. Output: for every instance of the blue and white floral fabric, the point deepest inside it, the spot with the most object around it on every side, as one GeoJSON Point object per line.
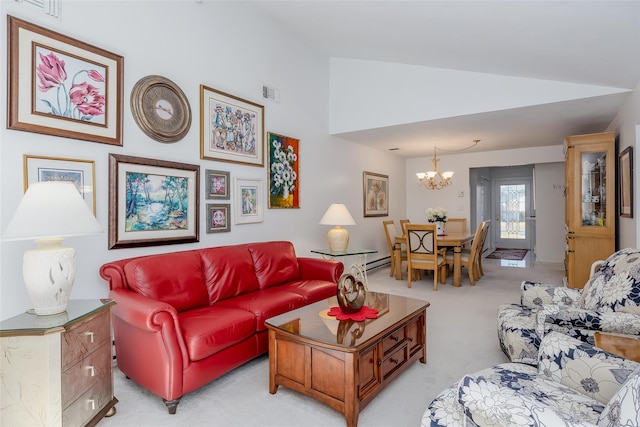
{"type": "Point", "coordinates": [610, 302]}
{"type": "Point", "coordinates": [575, 384]}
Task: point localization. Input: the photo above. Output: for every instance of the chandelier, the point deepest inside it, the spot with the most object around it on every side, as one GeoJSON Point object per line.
{"type": "Point", "coordinates": [434, 179]}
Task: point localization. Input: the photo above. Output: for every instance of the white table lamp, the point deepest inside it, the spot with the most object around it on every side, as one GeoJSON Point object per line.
{"type": "Point", "coordinates": [47, 213]}
{"type": "Point", "coordinates": [338, 237]}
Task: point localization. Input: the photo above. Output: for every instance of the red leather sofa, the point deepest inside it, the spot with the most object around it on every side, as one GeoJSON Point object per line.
{"type": "Point", "coordinates": [183, 319]}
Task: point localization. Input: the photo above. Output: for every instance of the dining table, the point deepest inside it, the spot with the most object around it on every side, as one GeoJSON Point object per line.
{"type": "Point", "coordinates": [456, 240]}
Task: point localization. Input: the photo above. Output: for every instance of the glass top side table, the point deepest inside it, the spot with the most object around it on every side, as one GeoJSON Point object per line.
{"type": "Point", "coordinates": [359, 268]}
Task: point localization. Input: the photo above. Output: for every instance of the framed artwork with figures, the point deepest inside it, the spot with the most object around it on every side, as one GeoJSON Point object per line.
{"type": "Point", "coordinates": [375, 194]}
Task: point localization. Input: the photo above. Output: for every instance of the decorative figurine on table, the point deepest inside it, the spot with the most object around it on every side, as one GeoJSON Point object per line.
{"type": "Point", "coordinates": [351, 294]}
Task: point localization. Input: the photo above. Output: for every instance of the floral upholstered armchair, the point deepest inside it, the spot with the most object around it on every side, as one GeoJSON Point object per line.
{"type": "Point", "coordinates": [609, 302]}
{"type": "Point", "coordinates": [574, 384]}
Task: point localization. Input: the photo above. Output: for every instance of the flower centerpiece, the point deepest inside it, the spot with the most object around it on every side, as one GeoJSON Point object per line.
{"type": "Point", "coordinates": [439, 216]}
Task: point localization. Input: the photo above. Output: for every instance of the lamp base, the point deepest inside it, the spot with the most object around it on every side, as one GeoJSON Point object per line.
{"type": "Point", "coordinates": [49, 272]}
{"type": "Point", "coordinates": [338, 239]}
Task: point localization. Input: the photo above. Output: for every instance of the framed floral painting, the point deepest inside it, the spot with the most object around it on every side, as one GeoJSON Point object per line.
{"type": "Point", "coordinates": [248, 200]}
{"type": "Point", "coordinates": [376, 194]}
{"type": "Point", "coordinates": [284, 171]}
{"type": "Point", "coordinates": [217, 184]}
{"type": "Point", "coordinates": [218, 218]}
{"type": "Point", "coordinates": [152, 202]}
{"type": "Point", "coordinates": [61, 86]}
{"type": "Point", "coordinates": [231, 128]}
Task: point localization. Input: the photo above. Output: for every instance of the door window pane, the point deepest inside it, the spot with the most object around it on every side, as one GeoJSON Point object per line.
{"type": "Point", "coordinates": [512, 211]}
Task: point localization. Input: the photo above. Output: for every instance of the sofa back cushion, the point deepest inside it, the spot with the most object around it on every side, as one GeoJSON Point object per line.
{"type": "Point", "coordinates": [228, 271]}
{"type": "Point", "coordinates": [615, 284]}
{"type": "Point", "coordinates": [274, 263]}
{"type": "Point", "coordinates": [174, 278]}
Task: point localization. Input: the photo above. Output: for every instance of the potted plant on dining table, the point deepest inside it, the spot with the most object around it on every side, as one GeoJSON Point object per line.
{"type": "Point", "coordinates": [439, 216]}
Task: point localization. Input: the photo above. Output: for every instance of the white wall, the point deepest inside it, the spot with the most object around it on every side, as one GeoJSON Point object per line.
{"type": "Point", "coordinates": [199, 43]}
{"type": "Point", "coordinates": [550, 220]}
{"type": "Point", "coordinates": [626, 125]}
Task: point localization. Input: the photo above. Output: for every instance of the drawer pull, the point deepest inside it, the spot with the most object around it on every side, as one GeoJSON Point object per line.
{"type": "Point", "coordinates": [90, 335]}
{"type": "Point", "coordinates": [379, 362]}
{"type": "Point", "coordinates": [92, 404]}
{"type": "Point", "coordinates": [410, 339]}
{"type": "Point", "coordinates": [394, 361]}
{"type": "Point", "coordinates": [394, 338]}
{"type": "Point", "coordinates": [92, 371]}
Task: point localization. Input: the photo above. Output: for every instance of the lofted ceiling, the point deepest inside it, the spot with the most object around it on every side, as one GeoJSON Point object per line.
{"type": "Point", "coordinates": [590, 43]}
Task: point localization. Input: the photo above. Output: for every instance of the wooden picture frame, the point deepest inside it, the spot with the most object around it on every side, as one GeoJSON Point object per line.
{"type": "Point", "coordinates": [217, 184]}
{"type": "Point", "coordinates": [152, 202]}
{"type": "Point", "coordinates": [63, 87]}
{"type": "Point", "coordinates": [80, 172]}
{"type": "Point", "coordinates": [625, 168]}
{"type": "Point", "coordinates": [284, 171]}
{"type": "Point", "coordinates": [218, 218]}
{"type": "Point", "coordinates": [375, 194]}
{"type": "Point", "coordinates": [231, 128]}
{"type": "Point", "coordinates": [248, 193]}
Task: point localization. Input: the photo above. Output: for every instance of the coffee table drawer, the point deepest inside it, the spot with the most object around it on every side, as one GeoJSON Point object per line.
{"type": "Point", "coordinates": [394, 361]}
{"type": "Point", "coordinates": [393, 340]}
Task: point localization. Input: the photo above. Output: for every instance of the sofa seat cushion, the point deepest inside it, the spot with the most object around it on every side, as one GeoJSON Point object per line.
{"type": "Point", "coordinates": [624, 407]}
{"type": "Point", "coordinates": [274, 263]}
{"type": "Point", "coordinates": [175, 279]}
{"type": "Point", "coordinates": [209, 330]}
{"type": "Point", "coordinates": [265, 304]}
{"type": "Point", "coordinates": [513, 394]}
{"type": "Point", "coordinates": [311, 290]}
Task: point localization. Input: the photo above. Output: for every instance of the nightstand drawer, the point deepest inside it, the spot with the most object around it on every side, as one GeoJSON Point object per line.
{"type": "Point", "coordinates": [88, 405]}
{"type": "Point", "coordinates": [85, 337]}
{"type": "Point", "coordinates": [78, 378]}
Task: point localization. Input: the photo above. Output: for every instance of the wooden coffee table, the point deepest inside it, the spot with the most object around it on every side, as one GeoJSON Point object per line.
{"type": "Point", "coordinates": [345, 364]}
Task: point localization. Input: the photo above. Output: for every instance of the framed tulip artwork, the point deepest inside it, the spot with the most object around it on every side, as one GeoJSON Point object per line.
{"type": "Point", "coordinates": [63, 87]}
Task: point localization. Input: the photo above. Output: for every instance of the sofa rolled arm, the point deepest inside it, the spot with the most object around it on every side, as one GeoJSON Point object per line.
{"type": "Point", "coordinates": [150, 315]}
{"type": "Point", "coordinates": [554, 317]}
{"type": "Point", "coordinates": [537, 294]}
{"type": "Point", "coordinates": [320, 269]}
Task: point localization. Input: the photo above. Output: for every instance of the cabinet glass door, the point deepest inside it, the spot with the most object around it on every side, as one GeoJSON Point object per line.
{"type": "Point", "coordinates": [593, 192]}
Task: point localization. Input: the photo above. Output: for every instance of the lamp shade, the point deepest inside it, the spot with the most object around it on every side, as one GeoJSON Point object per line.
{"type": "Point", "coordinates": [51, 209]}
{"type": "Point", "coordinates": [337, 214]}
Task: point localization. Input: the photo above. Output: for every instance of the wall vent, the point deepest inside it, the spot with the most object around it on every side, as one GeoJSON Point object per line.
{"type": "Point", "coordinates": [271, 93]}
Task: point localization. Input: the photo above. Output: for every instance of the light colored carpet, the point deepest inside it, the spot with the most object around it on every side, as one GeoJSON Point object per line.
{"type": "Point", "coordinates": [461, 338]}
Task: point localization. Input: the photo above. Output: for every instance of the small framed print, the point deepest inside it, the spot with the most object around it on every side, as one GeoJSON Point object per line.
{"type": "Point", "coordinates": [376, 194]}
{"type": "Point", "coordinates": [80, 172]}
{"type": "Point", "coordinates": [217, 184]}
{"type": "Point", "coordinates": [626, 182]}
{"type": "Point", "coordinates": [218, 218]}
{"type": "Point", "coordinates": [62, 86]}
{"type": "Point", "coordinates": [249, 204]}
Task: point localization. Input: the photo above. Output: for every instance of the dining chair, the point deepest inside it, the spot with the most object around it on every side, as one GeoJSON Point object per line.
{"type": "Point", "coordinates": [391, 233]}
{"type": "Point", "coordinates": [403, 222]}
{"type": "Point", "coordinates": [469, 258]}
{"type": "Point", "coordinates": [483, 239]}
{"type": "Point", "coordinates": [423, 253]}
{"type": "Point", "coordinates": [455, 225]}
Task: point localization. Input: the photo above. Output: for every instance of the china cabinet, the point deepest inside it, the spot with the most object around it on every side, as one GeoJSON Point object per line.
{"type": "Point", "coordinates": [589, 204]}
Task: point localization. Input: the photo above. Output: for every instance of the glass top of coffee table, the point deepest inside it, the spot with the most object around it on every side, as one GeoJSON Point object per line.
{"type": "Point", "coordinates": [313, 322]}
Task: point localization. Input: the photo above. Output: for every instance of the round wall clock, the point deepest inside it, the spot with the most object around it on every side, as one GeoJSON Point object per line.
{"type": "Point", "coordinates": [160, 108]}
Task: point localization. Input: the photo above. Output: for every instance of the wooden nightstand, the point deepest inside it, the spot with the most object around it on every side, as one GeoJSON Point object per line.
{"type": "Point", "coordinates": [623, 345]}
{"type": "Point", "coordinates": [57, 370]}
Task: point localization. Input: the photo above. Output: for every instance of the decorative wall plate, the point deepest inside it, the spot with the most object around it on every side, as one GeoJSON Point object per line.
{"type": "Point", "coordinates": [160, 109]}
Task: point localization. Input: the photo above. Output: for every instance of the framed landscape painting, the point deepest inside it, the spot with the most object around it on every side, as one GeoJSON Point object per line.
{"type": "Point", "coordinates": [63, 87]}
{"type": "Point", "coordinates": [376, 194]}
{"type": "Point", "coordinates": [151, 202]}
{"type": "Point", "coordinates": [284, 171]}
{"type": "Point", "coordinates": [231, 128]}
{"type": "Point", "coordinates": [80, 172]}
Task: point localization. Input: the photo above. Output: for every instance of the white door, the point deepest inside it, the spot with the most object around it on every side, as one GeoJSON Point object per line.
{"type": "Point", "coordinates": [512, 208]}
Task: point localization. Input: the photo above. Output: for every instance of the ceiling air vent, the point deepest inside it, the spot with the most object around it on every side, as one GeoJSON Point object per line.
{"type": "Point", "coordinates": [271, 93]}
